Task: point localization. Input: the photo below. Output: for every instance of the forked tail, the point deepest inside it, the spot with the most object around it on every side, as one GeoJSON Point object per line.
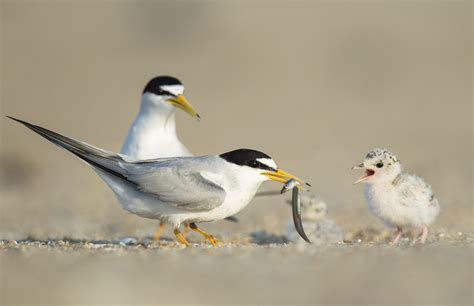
{"type": "Point", "coordinates": [95, 157]}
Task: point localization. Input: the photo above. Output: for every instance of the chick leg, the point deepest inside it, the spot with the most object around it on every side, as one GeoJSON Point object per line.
{"type": "Point", "coordinates": [207, 236]}
{"type": "Point", "coordinates": [398, 235]}
{"type": "Point", "coordinates": [159, 231]}
{"type": "Point", "coordinates": [424, 234]}
{"type": "Point", "coordinates": [180, 237]}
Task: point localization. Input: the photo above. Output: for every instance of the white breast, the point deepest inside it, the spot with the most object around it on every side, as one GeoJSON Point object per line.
{"type": "Point", "coordinates": [384, 202]}
{"type": "Point", "coordinates": [153, 144]}
{"type": "Point", "coordinates": [153, 135]}
{"type": "Point", "coordinates": [408, 203]}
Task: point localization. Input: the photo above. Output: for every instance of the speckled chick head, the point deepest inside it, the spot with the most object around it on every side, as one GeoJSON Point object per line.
{"type": "Point", "coordinates": [379, 165]}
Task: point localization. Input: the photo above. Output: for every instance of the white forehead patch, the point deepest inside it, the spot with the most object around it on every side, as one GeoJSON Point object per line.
{"type": "Point", "coordinates": [268, 162]}
{"type": "Point", "coordinates": [174, 89]}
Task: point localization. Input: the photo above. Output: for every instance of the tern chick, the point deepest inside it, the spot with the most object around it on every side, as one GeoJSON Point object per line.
{"type": "Point", "coordinates": [319, 229]}
{"type": "Point", "coordinates": [399, 199]}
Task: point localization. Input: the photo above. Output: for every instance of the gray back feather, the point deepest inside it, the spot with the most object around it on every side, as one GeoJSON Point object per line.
{"type": "Point", "coordinates": [174, 181]}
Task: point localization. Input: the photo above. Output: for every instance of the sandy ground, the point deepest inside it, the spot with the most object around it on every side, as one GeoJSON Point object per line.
{"type": "Point", "coordinates": [71, 271]}
{"type": "Point", "coordinates": [315, 84]}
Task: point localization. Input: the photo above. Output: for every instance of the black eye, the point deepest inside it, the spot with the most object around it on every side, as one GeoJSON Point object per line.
{"type": "Point", "coordinates": [379, 165]}
{"type": "Point", "coordinates": [165, 92]}
{"type": "Point", "coordinates": [253, 164]}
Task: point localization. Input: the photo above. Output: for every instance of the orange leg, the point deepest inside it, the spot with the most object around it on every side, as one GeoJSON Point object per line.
{"type": "Point", "coordinates": [159, 231]}
{"type": "Point", "coordinates": [207, 236]}
{"type": "Point", "coordinates": [180, 237]}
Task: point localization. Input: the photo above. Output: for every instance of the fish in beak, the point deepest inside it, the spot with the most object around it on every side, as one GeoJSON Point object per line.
{"type": "Point", "coordinates": [181, 102]}
{"type": "Point", "coordinates": [368, 173]}
{"type": "Point", "coordinates": [283, 177]}
{"type": "Point", "coordinates": [293, 184]}
{"type": "Point", "coordinates": [296, 212]}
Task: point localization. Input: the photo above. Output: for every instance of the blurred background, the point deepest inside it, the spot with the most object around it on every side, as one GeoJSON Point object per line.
{"type": "Point", "coordinates": [315, 84]}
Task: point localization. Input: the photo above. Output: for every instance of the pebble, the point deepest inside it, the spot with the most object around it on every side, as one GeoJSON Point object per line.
{"type": "Point", "coordinates": [363, 237]}
{"type": "Point", "coordinates": [128, 241]}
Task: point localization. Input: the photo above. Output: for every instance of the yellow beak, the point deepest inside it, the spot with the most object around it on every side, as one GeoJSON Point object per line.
{"type": "Point", "coordinates": [283, 177]}
{"type": "Point", "coordinates": [182, 103]}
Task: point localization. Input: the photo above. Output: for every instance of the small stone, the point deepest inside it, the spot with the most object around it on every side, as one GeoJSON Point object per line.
{"type": "Point", "coordinates": [128, 241]}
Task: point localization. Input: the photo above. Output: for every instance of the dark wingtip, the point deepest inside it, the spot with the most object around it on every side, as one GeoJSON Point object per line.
{"type": "Point", "coordinates": [27, 124]}
{"type": "Point", "coordinates": [232, 219]}
{"type": "Point", "coordinates": [16, 119]}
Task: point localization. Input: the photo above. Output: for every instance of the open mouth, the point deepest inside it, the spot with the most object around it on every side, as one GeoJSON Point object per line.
{"type": "Point", "coordinates": [368, 173]}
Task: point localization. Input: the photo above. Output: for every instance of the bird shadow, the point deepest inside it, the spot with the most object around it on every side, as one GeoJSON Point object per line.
{"type": "Point", "coordinates": [262, 237]}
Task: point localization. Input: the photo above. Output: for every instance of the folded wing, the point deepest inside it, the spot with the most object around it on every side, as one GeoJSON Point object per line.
{"type": "Point", "coordinates": [181, 186]}
{"type": "Point", "coordinates": [178, 182]}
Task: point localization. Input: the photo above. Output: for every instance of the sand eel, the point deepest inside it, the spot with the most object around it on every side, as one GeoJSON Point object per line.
{"type": "Point", "coordinates": [295, 186]}
{"type": "Point", "coordinates": [319, 229]}
{"type": "Point", "coordinates": [399, 199]}
{"type": "Point", "coordinates": [178, 190]}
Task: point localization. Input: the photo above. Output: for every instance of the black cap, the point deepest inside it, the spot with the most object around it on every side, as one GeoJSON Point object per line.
{"type": "Point", "coordinates": [155, 84]}
{"type": "Point", "coordinates": [247, 157]}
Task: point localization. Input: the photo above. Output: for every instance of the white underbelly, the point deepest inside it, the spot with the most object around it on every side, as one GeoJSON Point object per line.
{"type": "Point", "coordinates": [233, 204]}
{"type": "Point", "coordinates": [388, 207]}
{"type": "Point", "coordinates": [148, 206]}
{"type": "Point", "coordinates": [137, 202]}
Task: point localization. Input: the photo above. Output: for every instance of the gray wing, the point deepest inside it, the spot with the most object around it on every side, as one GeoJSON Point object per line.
{"type": "Point", "coordinates": [178, 186]}
{"type": "Point", "coordinates": [179, 182]}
